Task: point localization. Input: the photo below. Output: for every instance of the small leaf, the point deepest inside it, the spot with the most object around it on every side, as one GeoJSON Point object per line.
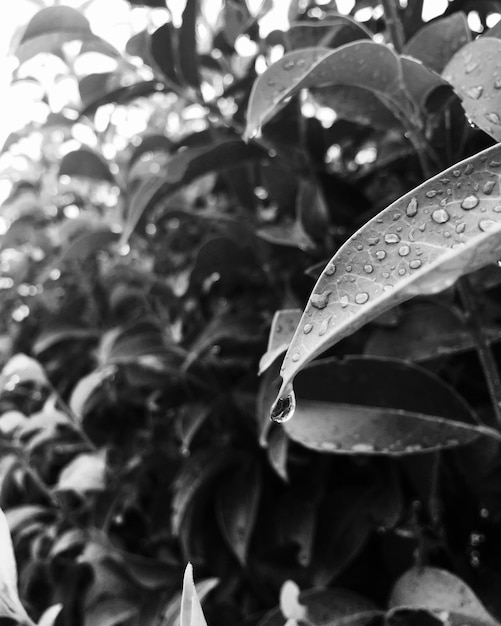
{"type": "Point", "coordinates": [84, 163]}
{"type": "Point", "coordinates": [10, 604]}
{"type": "Point", "coordinates": [191, 609]}
{"type": "Point", "coordinates": [87, 244]}
{"type": "Point", "coordinates": [475, 74]}
{"type": "Point", "coordinates": [436, 589]}
{"type": "Point", "coordinates": [421, 244]}
{"type": "Point", "coordinates": [237, 504]}
{"type": "Point", "coordinates": [436, 43]}
{"type": "Point", "coordinates": [376, 407]}
{"type": "Point", "coordinates": [291, 234]}
{"type": "Point", "coordinates": [87, 472]}
{"type": "Point", "coordinates": [187, 51]}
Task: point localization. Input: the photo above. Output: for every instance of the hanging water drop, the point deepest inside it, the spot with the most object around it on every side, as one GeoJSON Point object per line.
{"type": "Point", "coordinates": [440, 216]}
{"type": "Point", "coordinates": [307, 328]}
{"type": "Point", "coordinates": [284, 408]}
{"type": "Point", "coordinates": [404, 250]}
{"type": "Point", "coordinates": [391, 238]}
{"type": "Point", "coordinates": [470, 202]}
{"type": "Point", "coordinates": [486, 225]}
{"type": "Point", "coordinates": [362, 297]}
{"type": "Point", "coordinates": [320, 300]}
{"type": "Point", "coordinates": [412, 208]}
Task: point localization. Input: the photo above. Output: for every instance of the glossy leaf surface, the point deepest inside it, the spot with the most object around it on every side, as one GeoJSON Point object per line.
{"type": "Point", "coordinates": [191, 609]}
{"type": "Point", "coordinates": [421, 244]}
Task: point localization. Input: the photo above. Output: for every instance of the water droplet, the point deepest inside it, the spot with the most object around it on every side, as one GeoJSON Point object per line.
{"type": "Point", "coordinates": [307, 328]}
{"type": "Point", "coordinates": [468, 169]}
{"type": "Point", "coordinates": [372, 241]}
{"type": "Point", "coordinates": [362, 297]}
{"type": "Point", "coordinates": [470, 67]}
{"type": "Point", "coordinates": [330, 269]}
{"type": "Point", "coordinates": [494, 163]}
{"type": "Point", "coordinates": [444, 181]}
{"type": "Point", "coordinates": [368, 269]}
{"type": "Point", "coordinates": [440, 216]}
{"type": "Point", "coordinates": [486, 225]}
{"type": "Point", "coordinates": [431, 193]}
{"type": "Point", "coordinates": [284, 408]}
{"type": "Point", "coordinates": [460, 228]}
{"type": "Point", "coordinates": [401, 271]}
{"type": "Point", "coordinates": [422, 227]}
{"type": "Point", "coordinates": [324, 326]}
{"type": "Point", "coordinates": [271, 82]}
{"type": "Point", "coordinates": [415, 264]}
{"type": "Point", "coordinates": [396, 216]}
{"type": "Point", "coordinates": [391, 238]}
{"type": "Point", "coordinates": [443, 202]}
{"type": "Point", "coordinates": [288, 65]}
{"type": "Point", "coordinates": [320, 300]}
{"type": "Point", "coordinates": [362, 447]}
{"type": "Point", "coordinates": [470, 202]}
{"type": "Point", "coordinates": [493, 117]}
{"type": "Point", "coordinates": [497, 83]}
{"type": "Point", "coordinates": [456, 173]}
{"type": "Point", "coordinates": [380, 255]}
{"type": "Point", "coordinates": [497, 208]}
{"type": "Point", "coordinates": [295, 357]}
{"type": "Point", "coordinates": [404, 250]}
{"type": "Point", "coordinates": [475, 92]}
{"type": "Point", "coordinates": [488, 187]}
{"type": "Point", "coordinates": [344, 301]}
{"type": "Point", "coordinates": [412, 208]}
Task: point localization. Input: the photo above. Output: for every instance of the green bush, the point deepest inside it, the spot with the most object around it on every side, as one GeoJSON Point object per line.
{"type": "Point", "coordinates": [169, 222]}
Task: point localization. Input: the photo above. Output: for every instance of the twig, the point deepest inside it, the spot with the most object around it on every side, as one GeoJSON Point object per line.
{"type": "Point", "coordinates": [394, 24]}
{"type": "Point", "coordinates": [484, 351]}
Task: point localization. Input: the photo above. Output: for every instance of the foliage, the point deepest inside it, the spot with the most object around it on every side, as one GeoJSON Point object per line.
{"type": "Point", "coordinates": [167, 223]}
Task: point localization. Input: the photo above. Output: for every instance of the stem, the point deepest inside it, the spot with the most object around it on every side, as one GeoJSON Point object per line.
{"type": "Point", "coordinates": [394, 24]}
{"type": "Point", "coordinates": [484, 351]}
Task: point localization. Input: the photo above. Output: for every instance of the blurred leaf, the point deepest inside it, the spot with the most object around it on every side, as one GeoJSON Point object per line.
{"type": "Point", "coordinates": [236, 506]}
{"type": "Point", "coordinates": [191, 609]}
{"type": "Point", "coordinates": [162, 47]}
{"type": "Point", "coordinates": [85, 387]}
{"type": "Point", "coordinates": [189, 421]}
{"type": "Point", "coordinates": [49, 338]}
{"type": "Point", "coordinates": [329, 33]}
{"type": "Point", "coordinates": [96, 90]}
{"type": "Point", "coordinates": [85, 163]}
{"type": "Point", "coordinates": [87, 472]}
{"type": "Point", "coordinates": [421, 244]}
{"type": "Point", "coordinates": [435, 43]}
{"type": "Point", "coordinates": [150, 144]}
{"type": "Point", "coordinates": [53, 26]}
{"type": "Point", "coordinates": [87, 244]}
{"type": "Point", "coordinates": [277, 450]}
{"type": "Point", "coordinates": [187, 47]}
{"type": "Point", "coordinates": [49, 616]}
{"type": "Point", "coordinates": [110, 612]}
{"type": "Point", "coordinates": [283, 327]}
{"type": "Point", "coordinates": [290, 606]}
{"type": "Point", "coordinates": [20, 369]}
{"type": "Point", "coordinates": [10, 604]}
{"type": "Point", "coordinates": [436, 589]}
{"type": "Point", "coordinates": [377, 406]}
{"type": "Point", "coordinates": [475, 74]}
{"type": "Point", "coordinates": [287, 233]}
{"type": "Point", "coordinates": [237, 19]}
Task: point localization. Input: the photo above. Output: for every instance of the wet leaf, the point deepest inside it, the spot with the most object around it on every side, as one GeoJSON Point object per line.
{"type": "Point", "coordinates": [475, 74]}
{"type": "Point", "coordinates": [96, 91]}
{"type": "Point", "coordinates": [436, 589]}
{"type": "Point", "coordinates": [87, 472]}
{"type": "Point", "coordinates": [282, 330]}
{"type": "Point", "coordinates": [85, 163]}
{"type": "Point", "coordinates": [325, 607]}
{"type": "Point", "coordinates": [236, 506]}
{"type": "Point", "coordinates": [367, 65]}
{"type": "Point", "coordinates": [191, 609]}
{"type": "Point", "coordinates": [378, 406]}
{"type": "Point", "coordinates": [421, 244]}
{"type": "Point", "coordinates": [435, 43]}
{"type": "Point", "coordinates": [187, 53]}
{"type": "Point", "coordinates": [10, 604]}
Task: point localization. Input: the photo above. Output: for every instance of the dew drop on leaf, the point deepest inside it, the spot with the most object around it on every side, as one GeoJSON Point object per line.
{"type": "Point", "coordinates": [404, 250]}
{"type": "Point", "coordinates": [475, 92]}
{"type": "Point", "coordinates": [497, 83]}
{"type": "Point", "coordinates": [320, 300]}
{"type": "Point", "coordinates": [330, 269]}
{"type": "Point", "coordinates": [431, 193]}
{"type": "Point", "coordinates": [415, 264]}
{"type": "Point", "coordinates": [391, 238]}
{"type": "Point", "coordinates": [486, 225]}
{"type": "Point", "coordinates": [470, 202]}
{"type": "Point", "coordinates": [283, 409]}
{"type": "Point", "coordinates": [307, 328]}
{"type": "Point", "coordinates": [488, 187]}
{"type": "Point", "coordinates": [440, 216]}
{"type": "Point", "coordinates": [296, 356]}
{"type": "Point", "coordinates": [362, 297]}
{"type": "Point", "coordinates": [368, 269]}
{"type": "Point", "coordinates": [494, 118]}
{"type": "Point", "coordinates": [324, 326]}
{"type": "Point", "coordinates": [344, 300]}
{"type": "Point", "coordinates": [468, 169]}
{"type": "Point", "coordinates": [288, 65]}
{"type": "Point", "coordinates": [460, 228]}
{"type": "Point", "coordinates": [412, 208]}
{"type": "Point", "coordinates": [380, 255]}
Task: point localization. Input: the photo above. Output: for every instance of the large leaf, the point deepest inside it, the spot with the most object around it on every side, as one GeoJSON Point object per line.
{"type": "Point", "coordinates": [421, 244]}
{"type": "Point", "coordinates": [378, 406]}
{"type": "Point", "coordinates": [85, 163]}
{"type": "Point", "coordinates": [435, 590]}
{"type": "Point", "coordinates": [10, 604]}
{"type": "Point", "coordinates": [475, 74]}
{"type": "Point", "coordinates": [438, 41]}
{"type": "Point", "coordinates": [191, 609]}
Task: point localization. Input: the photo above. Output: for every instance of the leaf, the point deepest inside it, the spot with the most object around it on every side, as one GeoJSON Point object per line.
{"type": "Point", "coordinates": [85, 163]}
{"type": "Point", "coordinates": [420, 244]}
{"type": "Point", "coordinates": [436, 589]}
{"type": "Point", "coordinates": [87, 244]}
{"type": "Point", "coordinates": [10, 604]}
{"type": "Point", "coordinates": [191, 609]}
{"type": "Point", "coordinates": [282, 329]}
{"type": "Point", "coordinates": [378, 406]}
{"type": "Point", "coordinates": [325, 607]}
{"type": "Point", "coordinates": [53, 26]}
{"type": "Point", "coordinates": [49, 616]}
{"type": "Point", "coordinates": [435, 43]}
{"type": "Point", "coordinates": [475, 74]}
{"type": "Point", "coordinates": [278, 448]}
{"type": "Point", "coordinates": [330, 33]}
{"type": "Point", "coordinates": [162, 45]}
{"type": "Point", "coordinates": [236, 506]}
{"type": "Point", "coordinates": [172, 613]}
{"type": "Point", "coordinates": [187, 50]}
{"type": "Point", "coordinates": [182, 169]}
{"type": "Point", "coordinates": [110, 611]}
{"type": "Point", "coordinates": [85, 387]}
{"type": "Point", "coordinates": [95, 92]}
{"type": "Point", "coordinates": [20, 369]}
{"type": "Point", "coordinates": [87, 472]}
{"type": "Point", "coordinates": [363, 64]}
